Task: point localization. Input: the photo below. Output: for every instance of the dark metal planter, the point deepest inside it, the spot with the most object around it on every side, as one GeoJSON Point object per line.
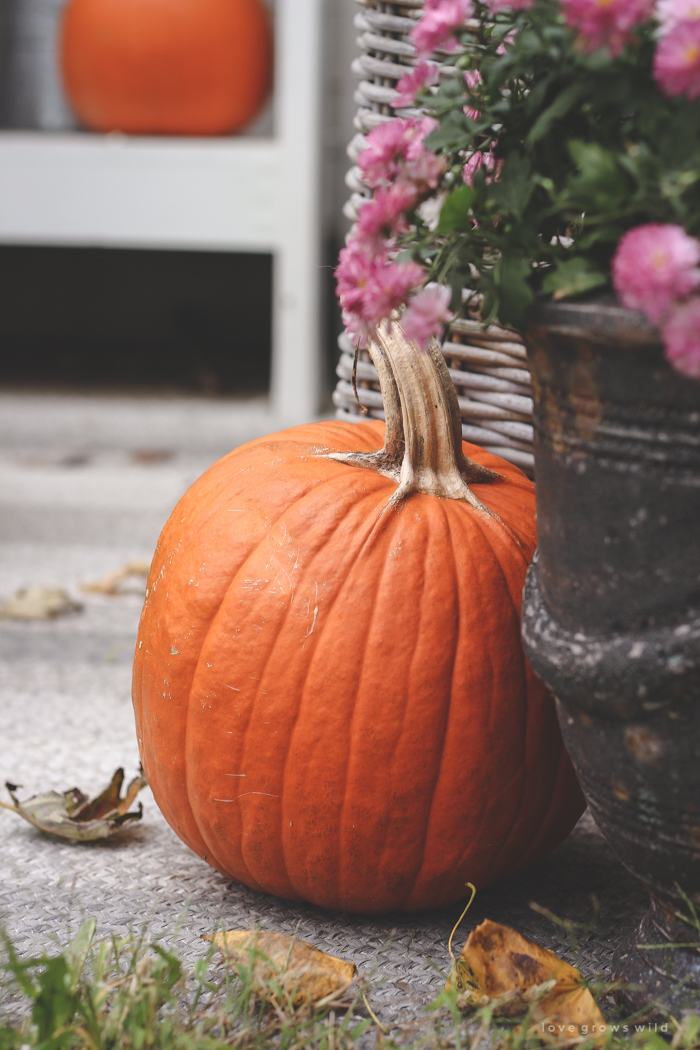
{"type": "Point", "coordinates": [611, 611]}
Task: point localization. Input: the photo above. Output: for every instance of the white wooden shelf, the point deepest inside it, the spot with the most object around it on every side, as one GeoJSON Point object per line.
{"type": "Point", "coordinates": [113, 190]}
{"type": "Point", "coordinates": [241, 193]}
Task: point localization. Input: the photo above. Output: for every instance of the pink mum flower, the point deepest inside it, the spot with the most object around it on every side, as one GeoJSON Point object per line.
{"type": "Point", "coordinates": [670, 13]}
{"type": "Point", "coordinates": [389, 288]}
{"type": "Point", "coordinates": [478, 160]}
{"type": "Point", "coordinates": [438, 23]}
{"type": "Point", "coordinates": [425, 74]}
{"type": "Point", "coordinates": [427, 314]}
{"type": "Point", "coordinates": [353, 273]}
{"type": "Point", "coordinates": [425, 170]}
{"type": "Point", "coordinates": [653, 266]}
{"type": "Point", "coordinates": [391, 146]}
{"type": "Point", "coordinates": [370, 286]}
{"type": "Point", "coordinates": [681, 334]}
{"type": "Point", "coordinates": [358, 330]}
{"type": "Point", "coordinates": [605, 23]}
{"type": "Point", "coordinates": [677, 60]}
{"type": "Point", "coordinates": [473, 79]}
{"type": "Point", "coordinates": [381, 218]}
{"type": "Point", "coordinates": [385, 153]}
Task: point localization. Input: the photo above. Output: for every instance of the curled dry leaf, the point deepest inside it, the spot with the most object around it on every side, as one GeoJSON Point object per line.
{"type": "Point", "coordinates": [38, 603]}
{"type": "Point", "coordinates": [72, 815]}
{"type": "Point", "coordinates": [109, 584]}
{"type": "Point", "coordinates": [501, 968]}
{"type": "Point", "coordinates": [304, 974]}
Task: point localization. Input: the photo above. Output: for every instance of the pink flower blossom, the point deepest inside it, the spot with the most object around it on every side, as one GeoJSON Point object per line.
{"type": "Point", "coordinates": [677, 60]}
{"type": "Point", "coordinates": [370, 286]}
{"type": "Point", "coordinates": [424, 171]}
{"type": "Point", "coordinates": [353, 273]}
{"type": "Point", "coordinates": [382, 158]}
{"type": "Point", "coordinates": [653, 266]}
{"type": "Point", "coordinates": [478, 160]}
{"type": "Point", "coordinates": [473, 79]}
{"type": "Point", "coordinates": [380, 219]}
{"type": "Point", "coordinates": [391, 147]}
{"type": "Point", "coordinates": [438, 23]}
{"type": "Point", "coordinates": [427, 314]}
{"type": "Point", "coordinates": [605, 23]}
{"type": "Point", "coordinates": [681, 334]}
{"type": "Point", "coordinates": [670, 13]}
{"type": "Point", "coordinates": [424, 75]}
{"type": "Point", "coordinates": [389, 288]}
{"type": "Point", "coordinates": [358, 330]}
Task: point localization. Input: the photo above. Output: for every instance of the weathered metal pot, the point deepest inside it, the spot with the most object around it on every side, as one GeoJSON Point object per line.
{"type": "Point", "coordinates": [611, 609]}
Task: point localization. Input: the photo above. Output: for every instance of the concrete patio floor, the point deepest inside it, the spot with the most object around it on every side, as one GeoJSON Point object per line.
{"type": "Point", "coordinates": [86, 484]}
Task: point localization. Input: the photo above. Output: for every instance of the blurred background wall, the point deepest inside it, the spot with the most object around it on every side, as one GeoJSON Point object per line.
{"type": "Point", "coordinates": [121, 318]}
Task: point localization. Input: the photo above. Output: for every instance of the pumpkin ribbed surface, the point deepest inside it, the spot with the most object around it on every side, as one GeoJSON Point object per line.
{"type": "Point", "coordinates": [332, 703]}
{"type": "Point", "coordinates": [178, 67]}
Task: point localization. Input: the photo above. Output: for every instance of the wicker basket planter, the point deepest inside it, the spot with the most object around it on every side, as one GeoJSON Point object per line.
{"type": "Point", "coordinates": [488, 367]}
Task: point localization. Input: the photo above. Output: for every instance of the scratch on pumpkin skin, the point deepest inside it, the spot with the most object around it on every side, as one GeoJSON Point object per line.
{"type": "Point", "coordinates": [252, 584]}
{"type": "Point", "coordinates": [308, 610]}
{"type": "Point", "coordinates": [243, 796]}
{"type": "Point", "coordinates": [284, 578]}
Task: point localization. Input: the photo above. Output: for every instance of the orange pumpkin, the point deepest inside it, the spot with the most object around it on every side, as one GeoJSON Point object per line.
{"type": "Point", "coordinates": [332, 703]}
{"type": "Point", "coordinates": [177, 67]}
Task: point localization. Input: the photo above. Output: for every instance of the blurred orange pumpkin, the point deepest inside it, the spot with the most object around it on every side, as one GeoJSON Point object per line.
{"type": "Point", "coordinates": [176, 67]}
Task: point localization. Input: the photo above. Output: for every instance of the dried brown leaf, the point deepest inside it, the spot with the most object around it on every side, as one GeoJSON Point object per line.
{"type": "Point", "coordinates": [38, 603]}
{"type": "Point", "coordinates": [501, 968]}
{"type": "Point", "coordinates": [72, 815]}
{"type": "Point", "coordinates": [109, 584]}
{"type": "Point", "coordinates": [304, 974]}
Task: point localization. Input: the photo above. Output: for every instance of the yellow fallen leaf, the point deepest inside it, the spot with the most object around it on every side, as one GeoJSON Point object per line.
{"type": "Point", "coordinates": [499, 967]}
{"type": "Point", "coordinates": [72, 815]}
{"type": "Point", "coordinates": [109, 584]}
{"type": "Point", "coordinates": [38, 603]}
{"type": "Point", "coordinates": [303, 973]}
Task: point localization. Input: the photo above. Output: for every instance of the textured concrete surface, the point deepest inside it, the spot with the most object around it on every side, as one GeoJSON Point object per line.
{"type": "Point", "coordinates": [75, 503]}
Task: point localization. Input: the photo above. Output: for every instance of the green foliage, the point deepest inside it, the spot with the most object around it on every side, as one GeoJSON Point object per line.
{"type": "Point", "coordinates": [128, 994]}
{"type": "Point", "coordinates": [586, 146]}
{"type": "Point", "coordinates": [571, 277]}
{"type": "Point", "coordinates": [455, 213]}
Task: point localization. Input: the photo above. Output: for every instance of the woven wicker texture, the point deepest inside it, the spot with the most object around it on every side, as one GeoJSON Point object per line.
{"type": "Point", "coordinates": [66, 719]}
{"type": "Point", "coordinates": [489, 368]}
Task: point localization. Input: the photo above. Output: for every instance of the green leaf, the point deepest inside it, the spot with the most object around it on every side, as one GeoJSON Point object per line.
{"type": "Point", "coordinates": [536, 97]}
{"type": "Point", "coordinates": [600, 184]}
{"type": "Point", "coordinates": [489, 305]}
{"type": "Point", "coordinates": [20, 969]}
{"type": "Point", "coordinates": [573, 277]}
{"type": "Point", "coordinates": [458, 280]}
{"type": "Point", "coordinates": [558, 109]}
{"type": "Point", "coordinates": [77, 951]}
{"type": "Point", "coordinates": [55, 1004]}
{"type": "Point", "coordinates": [455, 213]}
{"type": "Point", "coordinates": [514, 186]}
{"type": "Point", "coordinates": [515, 293]}
{"type": "Point", "coordinates": [449, 90]}
{"type": "Point", "coordinates": [454, 133]}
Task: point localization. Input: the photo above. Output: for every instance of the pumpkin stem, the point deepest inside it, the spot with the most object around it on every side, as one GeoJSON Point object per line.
{"type": "Point", "coordinates": [389, 459]}
{"type": "Point", "coordinates": [423, 443]}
